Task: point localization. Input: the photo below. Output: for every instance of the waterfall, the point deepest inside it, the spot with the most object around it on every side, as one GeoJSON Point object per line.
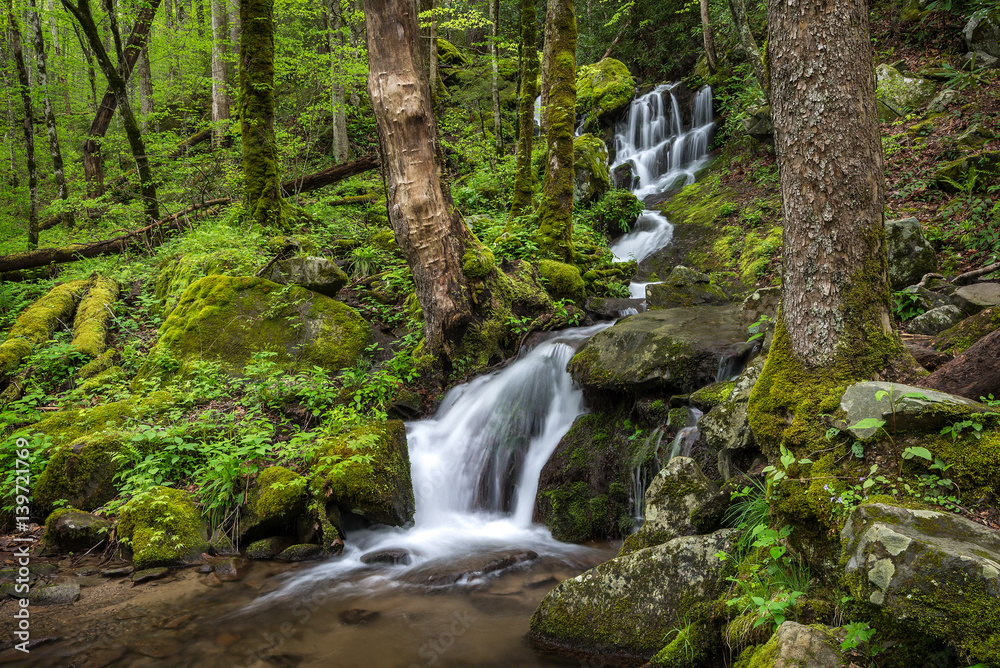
{"type": "Point", "coordinates": [686, 437]}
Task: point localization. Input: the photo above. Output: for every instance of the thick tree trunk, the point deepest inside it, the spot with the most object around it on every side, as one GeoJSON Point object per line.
{"type": "Point", "coordinates": [707, 36]}
{"type": "Point", "coordinates": [338, 105]}
{"type": "Point", "coordinates": [425, 223]}
{"type": "Point", "coordinates": [262, 189]}
{"type": "Point", "coordinates": [555, 214]}
{"type": "Point", "coordinates": [495, 63]}
{"type": "Point", "coordinates": [524, 176]}
{"type": "Point", "coordinates": [24, 86]}
{"type": "Point", "coordinates": [220, 92]}
{"type": "Point", "coordinates": [749, 45]}
{"type": "Point", "coordinates": [50, 116]}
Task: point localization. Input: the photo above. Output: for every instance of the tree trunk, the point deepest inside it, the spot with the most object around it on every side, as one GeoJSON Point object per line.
{"type": "Point", "coordinates": [260, 149]}
{"type": "Point", "coordinates": [338, 106]}
{"type": "Point", "coordinates": [233, 7]}
{"type": "Point", "coordinates": [546, 60]}
{"type": "Point", "coordinates": [50, 116]}
{"type": "Point", "coordinates": [748, 43]}
{"type": "Point", "coordinates": [432, 59]}
{"type": "Point", "coordinates": [220, 93]}
{"type": "Point", "coordinates": [555, 224]}
{"type": "Point", "coordinates": [116, 82]}
{"type": "Point", "coordinates": [524, 176]}
{"type": "Point", "coordinates": [426, 225]}
{"type": "Point", "coordinates": [57, 53]}
{"type": "Point", "coordinates": [146, 108]}
{"type": "Point", "coordinates": [28, 125]}
{"type": "Point", "coordinates": [91, 78]}
{"type": "Point", "coordinates": [706, 32]}
{"type": "Point", "coordinates": [495, 62]}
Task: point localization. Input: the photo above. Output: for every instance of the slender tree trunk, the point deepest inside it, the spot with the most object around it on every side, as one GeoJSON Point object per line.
{"type": "Point", "coordinates": [220, 91]}
{"type": "Point", "coordinates": [524, 176]}
{"type": "Point", "coordinates": [555, 231]}
{"type": "Point", "coordinates": [57, 54]}
{"type": "Point", "coordinates": [260, 149]}
{"type": "Point", "coordinates": [24, 84]}
{"type": "Point", "coordinates": [199, 15]}
{"type": "Point", "coordinates": [50, 116]}
{"type": "Point", "coordinates": [146, 108]}
{"type": "Point", "coordinates": [749, 45]}
{"type": "Point", "coordinates": [338, 106]}
{"type": "Point", "coordinates": [233, 9]}
{"type": "Point", "coordinates": [432, 58]}
{"type": "Point", "coordinates": [495, 62]}
{"type": "Point", "coordinates": [116, 82]}
{"type": "Point", "coordinates": [91, 77]}
{"type": "Point", "coordinates": [709, 38]}
{"type": "Point", "coordinates": [546, 59]}
{"type": "Point", "coordinates": [13, 179]}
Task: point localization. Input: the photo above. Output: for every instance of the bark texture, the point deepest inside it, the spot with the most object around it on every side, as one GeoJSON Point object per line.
{"type": "Point", "coordinates": [835, 286]}
{"type": "Point", "coordinates": [524, 176]}
{"type": "Point", "coordinates": [220, 79]}
{"type": "Point", "coordinates": [707, 36]}
{"type": "Point", "coordinates": [338, 105]}
{"type": "Point", "coordinates": [426, 225]}
{"type": "Point", "coordinates": [495, 66]}
{"type": "Point", "coordinates": [555, 214]}
{"type": "Point", "coordinates": [28, 125]}
{"type": "Point", "coordinates": [973, 374]}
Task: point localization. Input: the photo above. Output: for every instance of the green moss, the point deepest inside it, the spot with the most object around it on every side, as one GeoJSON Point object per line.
{"type": "Point", "coordinates": [97, 366]}
{"type": "Point", "coordinates": [975, 462]}
{"type": "Point", "coordinates": [162, 527]}
{"type": "Point", "coordinates": [603, 89]}
{"type": "Point", "coordinates": [761, 656]}
{"type": "Point", "coordinates": [37, 324]}
{"type": "Point", "coordinates": [590, 169]}
{"type": "Point", "coordinates": [757, 253]}
{"type": "Point", "coordinates": [66, 426]}
{"type": "Point", "coordinates": [962, 336]}
{"type": "Point", "coordinates": [478, 262]}
{"type": "Point", "coordinates": [712, 395]}
{"type": "Point", "coordinates": [449, 54]}
{"type": "Point", "coordinates": [81, 473]}
{"type": "Point", "coordinates": [562, 281]}
{"type": "Point", "coordinates": [276, 497]}
{"type": "Point", "coordinates": [84, 530]}
{"type": "Point", "coordinates": [176, 273]}
{"type": "Point", "coordinates": [92, 317]}
{"type": "Point", "coordinates": [691, 645]}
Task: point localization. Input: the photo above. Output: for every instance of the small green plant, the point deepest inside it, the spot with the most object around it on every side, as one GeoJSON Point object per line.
{"type": "Point", "coordinates": [906, 305]}
{"type": "Point", "coordinates": [957, 428]}
{"type": "Point", "coordinates": [759, 328]}
{"type": "Point", "coordinates": [859, 640]}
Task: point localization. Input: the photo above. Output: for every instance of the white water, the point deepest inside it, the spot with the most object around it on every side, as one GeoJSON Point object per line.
{"type": "Point", "coordinates": [686, 437]}
{"type": "Point", "coordinates": [652, 231]}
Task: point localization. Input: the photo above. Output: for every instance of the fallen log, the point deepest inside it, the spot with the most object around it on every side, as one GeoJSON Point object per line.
{"type": "Point", "coordinates": [973, 374]}
{"type": "Point", "coordinates": [329, 176]}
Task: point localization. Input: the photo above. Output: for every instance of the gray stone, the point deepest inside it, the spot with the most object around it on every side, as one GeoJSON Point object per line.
{"type": "Point", "coordinates": [978, 296]}
{"type": "Point", "coordinates": [117, 572]}
{"type": "Point", "coordinates": [390, 556]}
{"type": "Point", "coordinates": [758, 124]}
{"type": "Point", "coordinates": [147, 574]}
{"type": "Point", "coordinates": [859, 402]}
{"type": "Point", "coordinates": [899, 94]}
{"type": "Point", "coordinates": [910, 255]}
{"type": "Point", "coordinates": [672, 350]}
{"type": "Point", "coordinates": [685, 287]}
{"type": "Point", "coordinates": [312, 273]}
{"type": "Point", "coordinates": [801, 646]}
{"type": "Point", "coordinates": [301, 552]}
{"type": "Point", "coordinates": [928, 299]}
{"type": "Point", "coordinates": [934, 571]}
{"type": "Point", "coordinates": [982, 37]}
{"type": "Point", "coordinates": [75, 530]}
{"type": "Point", "coordinates": [641, 594]}
{"type": "Point", "coordinates": [447, 571]}
{"type": "Point", "coordinates": [54, 594]}
{"type": "Point", "coordinates": [726, 428]}
{"type": "Point", "coordinates": [680, 501]}
{"type": "Point", "coordinates": [936, 320]}
{"type": "Point", "coordinates": [942, 100]}
{"type": "Point", "coordinates": [975, 137]}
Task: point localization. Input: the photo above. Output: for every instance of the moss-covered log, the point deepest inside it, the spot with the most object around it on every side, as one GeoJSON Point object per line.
{"type": "Point", "coordinates": [90, 332]}
{"type": "Point", "coordinates": [36, 325]}
{"type": "Point", "coordinates": [555, 224]}
{"type": "Point", "coordinates": [524, 175]}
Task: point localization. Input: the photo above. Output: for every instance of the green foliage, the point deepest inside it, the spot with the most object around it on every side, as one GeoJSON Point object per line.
{"type": "Point", "coordinates": [906, 305]}
{"type": "Point", "coordinates": [614, 214]}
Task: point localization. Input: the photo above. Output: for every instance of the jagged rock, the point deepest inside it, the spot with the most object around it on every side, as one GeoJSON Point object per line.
{"type": "Point", "coordinates": [978, 296]}
{"type": "Point", "coordinates": [275, 499]}
{"type": "Point", "coordinates": [591, 177]}
{"type": "Point", "coordinates": [312, 273]}
{"type": "Point", "coordinates": [70, 530]}
{"type": "Point", "coordinates": [898, 94]}
{"type": "Point", "coordinates": [725, 429]}
{"type": "Point", "coordinates": [626, 606]}
{"type": "Point", "coordinates": [910, 255]}
{"type": "Point", "coordinates": [671, 350]}
{"type": "Point", "coordinates": [982, 37]}
{"type": "Point", "coordinates": [680, 501]}
{"type": "Point", "coordinates": [758, 124]}
{"type": "Point", "coordinates": [685, 287]}
{"type": "Point", "coordinates": [936, 320]}
{"type": "Point", "coordinates": [934, 572]}
{"type": "Point", "coordinates": [910, 413]}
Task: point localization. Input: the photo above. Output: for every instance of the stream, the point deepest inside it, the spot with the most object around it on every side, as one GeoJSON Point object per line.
{"type": "Point", "coordinates": [458, 588]}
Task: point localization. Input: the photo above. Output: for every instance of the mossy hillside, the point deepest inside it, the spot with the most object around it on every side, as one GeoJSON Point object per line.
{"type": "Point", "coordinates": [603, 89]}
{"type": "Point", "coordinates": [37, 324]}
{"type": "Point", "coordinates": [962, 336]}
{"type": "Point", "coordinates": [366, 471]}
{"type": "Point", "coordinates": [90, 326]}
{"type": "Point", "coordinates": [162, 527]}
{"type": "Point", "coordinates": [228, 319]}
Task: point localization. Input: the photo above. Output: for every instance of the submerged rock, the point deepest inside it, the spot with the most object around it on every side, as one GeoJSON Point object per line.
{"type": "Point", "coordinates": [389, 556]}
{"type": "Point", "coordinates": [312, 273]}
{"type": "Point", "coordinates": [449, 571]}
{"type": "Point", "coordinates": [934, 573]}
{"type": "Point", "coordinates": [910, 254]}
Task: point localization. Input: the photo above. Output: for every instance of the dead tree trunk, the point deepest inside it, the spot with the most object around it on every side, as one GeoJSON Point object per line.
{"type": "Point", "coordinates": [973, 374]}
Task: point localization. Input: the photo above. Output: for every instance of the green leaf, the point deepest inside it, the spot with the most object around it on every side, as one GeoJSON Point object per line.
{"type": "Point", "coordinates": [868, 423]}
{"type": "Point", "coordinates": [923, 453]}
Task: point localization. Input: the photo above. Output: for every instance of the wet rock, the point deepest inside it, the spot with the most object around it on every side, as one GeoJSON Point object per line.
{"type": "Point", "coordinates": [609, 308]}
{"type": "Point", "coordinates": [936, 320]}
{"type": "Point", "coordinates": [156, 649]}
{"type": "Point", "coordinates": [910, 254]}
{"type": "Point", "coordinates": [982, 37]}
{"type": "Point", "coordinates": [671, 350]}
{"type": "Point", "coordinates": [162, 527]}
{"type": "Point", "coordinates": [685, 287]}
{"type": "Point", "coordinates": [934, 572]}
{"type": "Point", "coordinates": [725, 429]}
{"type": "Point", "coordinates": [680, 501]}
{"type": "Point", "coordinates": [269, 548]}
{"type": "Point", "coordinates": [148, 574]}
{"type": "Point", "coordinates": [860, 401]}
{"type": "Point", "coordinates": [117, 572]}
{"type": "Point", "coordinates": [301, 552]}
{"type": "Point", "coordinates": [312, 273]}
{"type": "Point", "coordinates": [390, 556]}
{"type": "Point", "coordinates": [899, 94]}
{"type": "Point", "coordinates": [978, 296]}
{"type": "Point", "coordinates": [442, 572]}
{"type": "Point", "coordinates": [231, 569]}
{"type": "Point", "coordinates": [70, 530]}
{"type": "Point", "coordinates": [275, 499]}
{"type": "Point", "coordinates": [626, 606]}
{"type": "Point", "coordinates": [90, 580]}
{"type": "Point", "coordinates": [623, 177]}
{"type": "Point", "coordinates": [54, 594]}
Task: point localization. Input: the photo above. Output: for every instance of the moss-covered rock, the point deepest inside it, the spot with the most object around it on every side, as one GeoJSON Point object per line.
{"type": "Point", "coordinates": [898, 94]}
{"type": "Point", "coordinates": [927, 573]}
{"type": "Point", "coordinates": [561, 280]}
{"type": "Point", "coordinates": [591, 178]}
{"type": "Point", "coordinates": [449, 54]}
{"type": "Point", "coordinates": [275, 500]}
{"type": "Point", "coordinates": [162, 527]}
{"type": "Point", "coordinates": [36, 325]}
{"type": "Point", "coordinates": [312, 273]}
{"type": "Point", "coordinates": [910, 254]}
{"type": "Point", "coordinates": [627, 606]}
{"type": "Point", "coordinates": [176, 273]}
{"type": "Point", "coordinates": [92, 317]}
{"type": "Point", "coordinates": [962, 336]}
{"type": "Point", "coordinates": [953, 176]}
{"type": "Point", "coordinates": [685, 287]}
{"type": "Point", "coordinates": [691, 645]}
{"type": "Point", "coordinates": [228, 319]}
{"type": "Point", "coordinates": [905, 407]}
{"type": "Point", "coordinates": [71, 530]}
{"type": "Point", "coordinates": [603, 89]}
{"type": "Point", "coordinates": [366, 471]}
{"type": "Point", "coordinates": [81, 473]}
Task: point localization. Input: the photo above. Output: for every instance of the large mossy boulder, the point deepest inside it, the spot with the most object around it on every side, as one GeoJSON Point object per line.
{"type": "Point", "coordinates": [366, 471]}
{"type": "Point", "coordinates": [927, 573]}
{"type": "Point", "coordinates": [603, 89]}
{"type": "Point", "coordinates": [796, 645]}
{"type": "Point", "coordinates": [71, 530]}
{"type": "Point", "coordinates": [561, 280]}
{"type": "Point", "coordinates": [176, 273]}
{"type": "Point", "coordinates": [275, 501]}
{"type": "Point", "coordinates": [685, 287]}
{"type": "Point", "coordinates": [228, 319]}
{"type": "Point", "coordinates": [673, 350]}
{"type": "Point", "coordinates": [899, 94]}
{"type": "Point", "coordinates": [903, 407]}
{"type": "Point", "coordinates": [624, 608]}
{"type": "Point", "coordinates": [910, 254]}
{"type": "Point", "coordinates": [162, 527]}
{"type": "Point", "coordinates": [312, 273]}
{"type": "Point", "coordinates": [982, 37]}
{"type": "Point", "coordinates": [81, 473]}
{"type": "Point", "coordinates": [591, 178]}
